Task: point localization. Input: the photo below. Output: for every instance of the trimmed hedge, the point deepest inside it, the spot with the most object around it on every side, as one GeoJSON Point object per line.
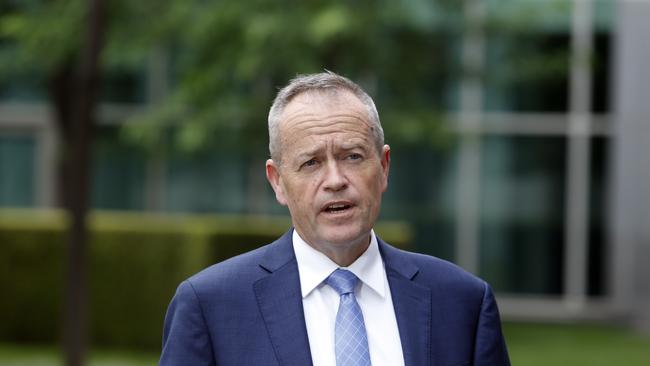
{"type": "Point", "coordinates": [135, 263]}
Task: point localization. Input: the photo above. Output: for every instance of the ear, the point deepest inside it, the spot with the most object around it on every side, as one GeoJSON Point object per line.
{"type": "Point", "coordinates": [273, 176]}
{"type": "Point", "coordinates": [385, 166]}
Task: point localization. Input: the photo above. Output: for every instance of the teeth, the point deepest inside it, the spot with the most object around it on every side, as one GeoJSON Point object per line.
{"type": "Point", "coordinates": [335, 207]}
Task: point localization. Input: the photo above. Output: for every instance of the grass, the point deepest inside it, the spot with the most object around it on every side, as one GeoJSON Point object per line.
{"type": "Point", "coordinates": [529, 345]}
{"type": "Point", "coordinates": [22, 355]}
{"type": "Point", "coordinates": [575, 345]}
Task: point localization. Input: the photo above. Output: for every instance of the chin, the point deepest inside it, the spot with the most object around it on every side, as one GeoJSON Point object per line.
{"type": "Point", "coordinates": [344, 236]}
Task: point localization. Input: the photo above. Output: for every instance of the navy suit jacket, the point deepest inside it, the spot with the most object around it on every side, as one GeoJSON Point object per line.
{"type": "Point", "coordinates": [248, 310]}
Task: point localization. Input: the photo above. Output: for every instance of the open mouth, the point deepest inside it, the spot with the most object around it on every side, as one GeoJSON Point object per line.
{"type": "Point", "coordinates": [337, 208]}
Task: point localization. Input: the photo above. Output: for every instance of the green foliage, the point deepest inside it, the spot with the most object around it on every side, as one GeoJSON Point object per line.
{"type": "Point", "coordinates": [43, 35]}
{"type": "Point", "coordinates": [133, 274]}
{"type": "Point", "coordinates": [228, 58]}
{"type": "Point", "coordinates": [132, 278]}
{"type": "Point", "coordinates": [135, 263]}
{"type": "Point", "coordinates": [40, 34]}
{"type": "Point", "coordinates": [31, 278]}
{"type": "Point", "coordinates": [232, 57]}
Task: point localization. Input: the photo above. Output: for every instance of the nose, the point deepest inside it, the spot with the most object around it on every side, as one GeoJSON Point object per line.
{"type": "Point", "coordinates": [334, 178]}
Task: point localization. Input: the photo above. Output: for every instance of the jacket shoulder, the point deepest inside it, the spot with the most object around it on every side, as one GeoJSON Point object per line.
{"type": "Point", "coordinates": [234, 270]}
{"type": "Point", "coordinates": [435, 272]}
{"type": "Point", "coordinates": [445, 270]}
{"type": "Point", "coordinates": [245, 268]}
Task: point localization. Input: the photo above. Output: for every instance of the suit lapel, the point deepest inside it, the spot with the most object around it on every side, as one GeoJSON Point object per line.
{"type": "Point", "coordinates": [280, 303]}
{"type": "Point", "coordinates": [412, 303]}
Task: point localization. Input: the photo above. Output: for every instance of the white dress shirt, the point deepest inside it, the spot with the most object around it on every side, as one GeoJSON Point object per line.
{"type": "Point", "coordinates": [320, 303]}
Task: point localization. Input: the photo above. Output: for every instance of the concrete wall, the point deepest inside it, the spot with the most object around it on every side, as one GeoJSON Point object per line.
{"type": "Point", "coordinates": [630, 204]}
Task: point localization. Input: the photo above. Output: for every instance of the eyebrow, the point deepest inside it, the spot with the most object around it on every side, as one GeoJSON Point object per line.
{"type": "Point", "coordinates": [352, 146]}
{"type": "Point", "coordinates": [308, 153]}
{"type": "Point", "coordinates": [344, 146]}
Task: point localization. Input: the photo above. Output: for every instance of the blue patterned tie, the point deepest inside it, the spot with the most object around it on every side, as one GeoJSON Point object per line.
{"type": "Point", "coordinates": [350, 338]}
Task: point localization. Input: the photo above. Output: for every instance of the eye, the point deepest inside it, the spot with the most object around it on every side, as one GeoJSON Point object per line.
{"type": "Point", "coordinates": [309, 163]}
{"type": "Point", "coordinates": [355, 156]}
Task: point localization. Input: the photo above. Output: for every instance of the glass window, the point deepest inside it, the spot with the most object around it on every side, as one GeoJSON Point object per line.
{"type": "Point", "coordinates": [422, 191]}
{"type": "Point", "coordinates": [118, 173]}
{"type": "Point", "coordinates": [210, 182]}
{"type": "Point", "coordinates": [527, 55]}
{"type": "Point", "coordinates": [600, 73]}
{"type": "Point", "coordinates": [597, 260]}
{"type": "Point", "coordinates": [123, 85]}
{"type": "Point", "coordinates": [17, 161]}
{"type": "Point", "coordinates": [526, 72]}
{"type": "Point", "coordinates": [522, 213]}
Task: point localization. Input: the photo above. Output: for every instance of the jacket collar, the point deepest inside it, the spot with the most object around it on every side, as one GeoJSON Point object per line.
{"type": "Point", "coordinates": [280, 302]}
{"type": "Point", "coordinates": [412, 303]}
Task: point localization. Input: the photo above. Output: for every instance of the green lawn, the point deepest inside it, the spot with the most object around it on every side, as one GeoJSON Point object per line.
{"type": "Point", "coordinates": [529, 345]}
{"type": "Point", "coordinates": [14, 355]}
{"type": "Point", "coordinates": [545, 344]}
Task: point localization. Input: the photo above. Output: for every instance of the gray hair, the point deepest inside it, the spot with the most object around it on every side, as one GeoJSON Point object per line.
{"type": "Point", "coordinates": [324, 81]}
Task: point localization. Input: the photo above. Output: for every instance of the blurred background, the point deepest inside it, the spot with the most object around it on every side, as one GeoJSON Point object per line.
{"type": "Point", "coordinates": [520, 150]}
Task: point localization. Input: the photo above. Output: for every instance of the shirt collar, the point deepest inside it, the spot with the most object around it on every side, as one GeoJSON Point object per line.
{"type": "Point", "coordinates": [314, 267]}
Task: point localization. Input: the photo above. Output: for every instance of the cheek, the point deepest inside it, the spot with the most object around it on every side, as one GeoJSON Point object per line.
{"type": "Point", "coordinates": [309, 183]}
{"type": "Point", "coordinates": [375, 188]}
{"type": "Point", "coordinates": [301, 193]}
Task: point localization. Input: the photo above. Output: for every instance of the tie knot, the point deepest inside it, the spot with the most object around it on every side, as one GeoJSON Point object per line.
{"type": "Point", "coordinates": [342, 281]}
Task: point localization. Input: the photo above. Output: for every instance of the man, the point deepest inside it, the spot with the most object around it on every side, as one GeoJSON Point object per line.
{"type": "Point", "coordinates": [330, 292]}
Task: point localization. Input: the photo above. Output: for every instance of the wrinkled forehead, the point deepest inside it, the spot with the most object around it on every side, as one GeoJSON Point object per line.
{"type": "Point", "coordinates": [327, 106]}
{"type": "Point", "coordinates": [318, 120]}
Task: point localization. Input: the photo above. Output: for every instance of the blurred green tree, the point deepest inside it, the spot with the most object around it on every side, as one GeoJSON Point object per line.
{"type": "Point", "coordinates": [229, 57]}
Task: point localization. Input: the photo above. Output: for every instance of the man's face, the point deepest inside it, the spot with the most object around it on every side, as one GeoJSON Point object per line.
{"type": "Point", "coordinates": [331, 175]}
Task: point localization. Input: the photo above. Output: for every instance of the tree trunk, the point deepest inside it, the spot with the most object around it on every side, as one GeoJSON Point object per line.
{"type": "Point", "coordinates": [77, 163]}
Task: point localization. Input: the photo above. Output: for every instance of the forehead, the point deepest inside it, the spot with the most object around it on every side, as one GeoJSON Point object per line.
{"type": "Point", "coordinates": [324, 112]}
{"type": "Point", "coordinates": [320, 100]}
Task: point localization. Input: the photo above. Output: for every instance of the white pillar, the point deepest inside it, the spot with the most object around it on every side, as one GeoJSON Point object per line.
{"type": "Point", "coordinates": [469, 170]}
{"type": "Point", "coordinates": [630, 169]}
{"type": "Point", "coordinates": [578, 158]}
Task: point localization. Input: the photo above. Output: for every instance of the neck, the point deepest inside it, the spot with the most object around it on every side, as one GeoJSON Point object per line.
{"type": "Point", "coordinates": [343, 254]}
